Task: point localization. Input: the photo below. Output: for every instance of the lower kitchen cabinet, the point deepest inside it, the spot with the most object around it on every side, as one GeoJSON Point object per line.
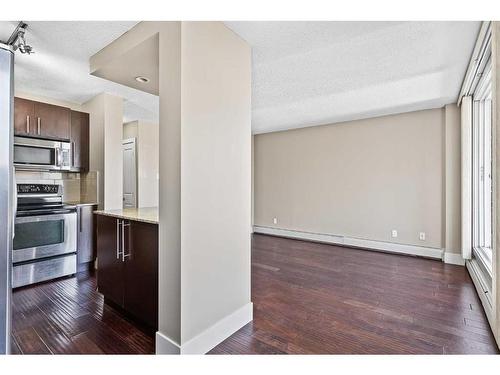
{"type": "Point", "coordinates": [127, 274]}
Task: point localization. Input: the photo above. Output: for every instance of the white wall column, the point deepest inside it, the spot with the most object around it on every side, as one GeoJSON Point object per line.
{"type": "Point", "coordinates": [452, 186]}
{"type": "Point", "coordinates": [106, 157]}
{"type": "Point", "coordinates": [205, 179]}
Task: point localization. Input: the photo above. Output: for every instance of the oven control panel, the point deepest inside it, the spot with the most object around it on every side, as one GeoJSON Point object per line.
{"type": "Point", "coordinates": [38, 189]}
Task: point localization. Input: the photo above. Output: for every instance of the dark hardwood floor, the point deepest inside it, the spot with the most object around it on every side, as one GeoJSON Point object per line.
{"type": "Point", "coordinates": [316, 298]}
{"type": "Point", "coordinates": [308, 298]}
{"type": "Point", "coordinates": [68, 316]}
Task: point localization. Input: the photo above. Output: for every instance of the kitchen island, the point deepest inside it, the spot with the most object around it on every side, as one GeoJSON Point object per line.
{"type": "Point", "coordinates": [127, 258]}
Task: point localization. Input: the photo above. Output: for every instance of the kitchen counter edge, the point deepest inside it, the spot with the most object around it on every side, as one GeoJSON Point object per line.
{"type": "Point", "coordinates": [146, 215]}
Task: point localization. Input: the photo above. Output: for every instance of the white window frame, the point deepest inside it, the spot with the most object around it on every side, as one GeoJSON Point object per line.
{"type": "Point", "coordinates": [482, 169]}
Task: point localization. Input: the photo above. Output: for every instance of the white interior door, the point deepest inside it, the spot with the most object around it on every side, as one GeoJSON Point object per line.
{"type": "Point", "coordinates": [129, 173]}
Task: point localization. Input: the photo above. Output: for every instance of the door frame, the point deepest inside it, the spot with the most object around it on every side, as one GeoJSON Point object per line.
{"type": "Point", "coordinates": [125, 142]}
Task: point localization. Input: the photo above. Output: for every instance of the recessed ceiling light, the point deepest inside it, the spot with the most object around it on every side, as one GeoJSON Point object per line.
{"type": "Point", "coordinates": [142, 79]}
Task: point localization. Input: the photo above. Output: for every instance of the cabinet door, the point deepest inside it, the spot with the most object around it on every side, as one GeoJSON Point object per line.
{"type": "Point", "coordinates": [24, 113]}
{"type": "Point", "coordinates": [110, 266]}
{"type": "Point", "coordinates": [141, 272]}
{"type": "Point", "coordinates": [86, 252]}
{"type": "Point", "coordinates": [79, 137]}
{"type": "Point", "coordinates": [52, 121]}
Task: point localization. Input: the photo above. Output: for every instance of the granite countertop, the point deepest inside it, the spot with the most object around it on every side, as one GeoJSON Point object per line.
{"type": "Point", "coordinates": [144, 214]}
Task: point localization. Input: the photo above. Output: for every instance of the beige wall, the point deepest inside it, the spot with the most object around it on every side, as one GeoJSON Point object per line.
{"type": "Point", "coordinates": [452, 180]}
{"type": "Point", "coordinates": [361, 179]}
{"type": "Point", "coordinates": [130, 129]}
{"type": "Point", "coordinates": [113, 154]}
{"type": "Point", "coordinates": [106, 128]}
{"type": "Point", "coordinates": [216, 175]}
{"type": "Point", "coordinates": [146, 135]}
{"type": "Point", "coordinates": [95, 107]}
{"type": "Point", "coordinates": [148, 164]}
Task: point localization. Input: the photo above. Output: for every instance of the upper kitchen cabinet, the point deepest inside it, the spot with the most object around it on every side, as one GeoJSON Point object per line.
{"type": "Point", "coordinates": [52, 121]}
{"type": "Point", "coordinates": [24, 116]}
{"type": "Point", "coordinates": [79, 137]}
{"type": "Point", "coordinates": [41, 120]}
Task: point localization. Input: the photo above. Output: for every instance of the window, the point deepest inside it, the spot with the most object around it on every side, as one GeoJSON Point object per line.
{"type": "Point", "coordinates": [482, 169]}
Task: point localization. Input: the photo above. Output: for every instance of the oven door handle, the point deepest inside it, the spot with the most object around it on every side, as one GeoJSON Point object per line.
{"type": "Point", "coordinates": [45, 212]}
{"type": "Point", "coordinates": [63, 211]}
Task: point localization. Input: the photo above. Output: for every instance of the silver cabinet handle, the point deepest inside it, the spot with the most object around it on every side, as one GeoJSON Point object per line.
{"type": "Point", "coordinates": [72, 154]}
{"type": "Point", "coordinates": [123, 241]}
{"type": "Point", "coordinates": [27, 124]}
{"type": "Point", "coordinates": [117, 238]}
{"type": "Point", "coordinates": [39, 126]}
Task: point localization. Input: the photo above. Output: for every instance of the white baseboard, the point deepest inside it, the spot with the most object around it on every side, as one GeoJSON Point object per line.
{"type": "Point", "coordinates": [451, 258]}
{"type": "Point", "coordinates": [166, 346]}
{"type": "Point", "coordinates": [428, 252]}
{"type": "Point", "coordinates": [220, 331]}
{"type": "Point", "coordinates": [209, 338]}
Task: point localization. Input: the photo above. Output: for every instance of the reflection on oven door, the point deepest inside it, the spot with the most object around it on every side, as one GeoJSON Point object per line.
{"type": "Point", "coordinates": [38, 237]}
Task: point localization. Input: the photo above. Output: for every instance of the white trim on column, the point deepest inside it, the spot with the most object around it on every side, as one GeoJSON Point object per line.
{"type": "Point", "coordinates": [166, 346]}
{"type": "Point", "coordinates": [209, 338]}
{"type": "Point", "coordinates": [220, 331]}
{"type": "Point", "coordinates": [452, 258]}
{"type": "Point", "coordinates": [428, 252]}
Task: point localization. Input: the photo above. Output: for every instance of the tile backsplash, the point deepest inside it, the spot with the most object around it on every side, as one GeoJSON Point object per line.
{"type": "Point", "coordinates": [89, 187]}
{"type": "Point", "coordinates": [76, 187]}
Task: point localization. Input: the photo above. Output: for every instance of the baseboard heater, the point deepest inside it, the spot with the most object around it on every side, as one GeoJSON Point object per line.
{"type": "Point", "coordinates": [427, 252]}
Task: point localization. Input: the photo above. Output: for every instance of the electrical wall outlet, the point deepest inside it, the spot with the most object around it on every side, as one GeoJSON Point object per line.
{"type": "Point", "coordinates": [421, 236]}
{"type": "Point", "coordinates": [275, 220]}
{"type": "Point", "coordinates": [394, 233]}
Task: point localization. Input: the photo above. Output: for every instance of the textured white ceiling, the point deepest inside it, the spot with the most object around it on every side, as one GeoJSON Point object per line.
{"type": "Point", "coordinates": [312, 73]}
{"type": "Point", "coordinates": [304, 73]}
{"type": "Point", "coordinates": [59, 68]}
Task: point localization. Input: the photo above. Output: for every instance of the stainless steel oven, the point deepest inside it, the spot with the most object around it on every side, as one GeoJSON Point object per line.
{"type": "Point", "coordinates": [42, 154]}
{"type": "Point", "coordinates": [45, 235]}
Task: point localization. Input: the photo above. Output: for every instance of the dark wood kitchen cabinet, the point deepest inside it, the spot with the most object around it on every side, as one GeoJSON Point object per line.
{"type": "Point", "coordinates": [141, 272]}
{"type": "Point", "coordinates": [79, 137]}
{"type": "Point", "coordinates": [109, 263]}
{"type": "Point", "coordinates": [24, 116]}
{"type": "Point", "coordinates": [86, 240]}
{"type": "Point", "coordinates": [127, 275]}
{"type": "Point", "coordinates": [41, 120]}
{"type": "Point", "coordinates": [52, 121]}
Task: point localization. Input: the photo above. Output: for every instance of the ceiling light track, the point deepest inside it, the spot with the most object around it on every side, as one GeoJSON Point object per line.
{"type": "Point", "coordinates": [18, 41]}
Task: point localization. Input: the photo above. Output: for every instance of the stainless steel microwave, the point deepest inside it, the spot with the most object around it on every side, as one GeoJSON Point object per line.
{"type": "Point", "coordinates": [42, 154]}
